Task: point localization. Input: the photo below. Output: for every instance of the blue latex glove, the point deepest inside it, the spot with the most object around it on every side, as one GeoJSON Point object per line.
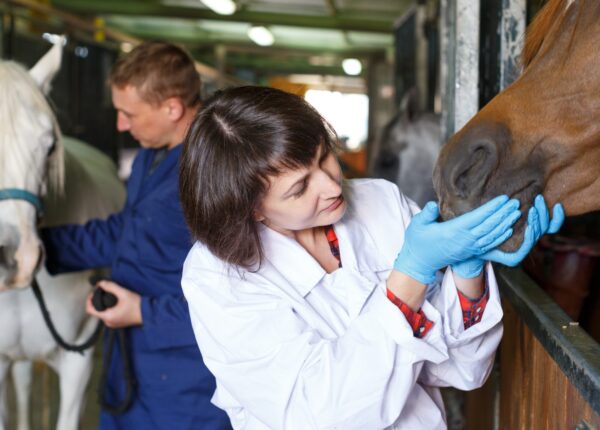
{"type": "Point", "coordinates": [538, 224]}
{"type": "Point", "coordinates": [469, 269]}
{"type": "Point", "coordinates": [430, 245]}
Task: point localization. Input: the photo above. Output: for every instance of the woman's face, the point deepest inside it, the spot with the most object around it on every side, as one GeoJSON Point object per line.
{"type": "Point", "coordinates": [304, 198]}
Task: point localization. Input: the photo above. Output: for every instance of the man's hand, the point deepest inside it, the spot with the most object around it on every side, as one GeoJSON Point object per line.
{"type": "Point", "coordinates": [126, 313]}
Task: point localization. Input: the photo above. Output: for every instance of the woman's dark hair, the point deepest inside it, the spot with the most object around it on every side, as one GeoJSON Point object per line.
{"type": "Point", "coordinates": [240, 137]}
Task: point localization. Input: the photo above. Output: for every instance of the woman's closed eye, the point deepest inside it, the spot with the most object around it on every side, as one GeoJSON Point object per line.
{"type": "Point", "coordinates": [301, 190]}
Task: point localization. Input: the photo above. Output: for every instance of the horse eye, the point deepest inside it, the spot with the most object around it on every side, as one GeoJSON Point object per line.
{"type": "Point", "coordinates": [52, 147]}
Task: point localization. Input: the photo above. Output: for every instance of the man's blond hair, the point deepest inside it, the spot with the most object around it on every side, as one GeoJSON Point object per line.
{"type": "Point", "coordinates": [158, 71]}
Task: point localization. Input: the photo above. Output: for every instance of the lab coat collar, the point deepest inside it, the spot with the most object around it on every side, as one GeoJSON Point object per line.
{"type": "Point", "coordinates": [357, 251]}
{"type": "Point", "coordinates": [286, 256]}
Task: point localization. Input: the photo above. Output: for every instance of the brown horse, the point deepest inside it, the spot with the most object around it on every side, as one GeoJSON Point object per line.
{"type": "Point", "coordinates": [542, 133]}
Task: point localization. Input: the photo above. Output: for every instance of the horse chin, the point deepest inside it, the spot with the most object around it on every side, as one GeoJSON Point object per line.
{"type": "Point", "coordinates": [28, 260]}
{"type": "Point", "coordinates": [514, 242]}
{"type": "Point", "coordinates": [15, 281]}
{"type": "Point", "coordinates": [453, 207]}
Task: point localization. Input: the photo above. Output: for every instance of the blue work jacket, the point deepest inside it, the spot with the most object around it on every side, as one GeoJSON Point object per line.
{"type": "Point", "coordinates": [145, 245]}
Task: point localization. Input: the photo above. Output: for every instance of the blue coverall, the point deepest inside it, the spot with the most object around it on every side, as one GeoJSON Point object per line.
{"type": "Point", "coordinates": [145, 245]}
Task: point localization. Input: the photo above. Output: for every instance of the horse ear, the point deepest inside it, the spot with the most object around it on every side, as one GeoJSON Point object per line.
{"type": "Point", "coordinates": [408, 105]}
{"type": "Point", "coordinates": [44, 70]}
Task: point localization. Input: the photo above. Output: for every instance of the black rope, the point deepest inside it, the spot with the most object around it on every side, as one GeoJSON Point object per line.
{"type": "Point", "coordinates": [122, 406]}
{"type": "Point", "coordinates": [69, 347]}
{"type": "Point", "coordinates": [129, 381]}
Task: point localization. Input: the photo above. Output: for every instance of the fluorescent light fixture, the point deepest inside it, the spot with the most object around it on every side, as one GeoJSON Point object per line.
{"type": "Point", "coordinates": [352, 66]}
{"type": "Point", "coordinates": [261, 35]}
{"type": "Point", "coordinates": [222, 7]}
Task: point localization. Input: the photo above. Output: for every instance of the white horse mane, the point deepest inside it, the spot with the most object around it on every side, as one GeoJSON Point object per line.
{"type": "Point", "coordinates": [22, 101]}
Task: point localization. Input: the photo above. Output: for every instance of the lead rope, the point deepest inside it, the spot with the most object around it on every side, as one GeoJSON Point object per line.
{"type": "Point", "coordinates": [69, 347]}
{"type": "Point", "coordinates": [121, 407]}
{"type": "Point", "coordinates": [124, 405]}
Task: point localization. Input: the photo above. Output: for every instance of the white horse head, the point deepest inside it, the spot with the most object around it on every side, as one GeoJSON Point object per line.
{"type": "Point", "coordinates": [31, 159]}
{"type": "Point", "coordinates": [408, 149]}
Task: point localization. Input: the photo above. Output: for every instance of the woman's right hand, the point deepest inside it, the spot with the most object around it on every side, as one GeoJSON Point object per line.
{"type": "Point", "coordinates": [430, 245]}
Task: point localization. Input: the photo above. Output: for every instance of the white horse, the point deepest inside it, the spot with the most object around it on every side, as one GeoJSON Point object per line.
{"type": "Point", "coordinates": [78, 183]}
{"type": "Point", "coordinates": [408, 149]}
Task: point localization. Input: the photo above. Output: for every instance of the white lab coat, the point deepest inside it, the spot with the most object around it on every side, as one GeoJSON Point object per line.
{"type": "Point", "coordinates": [293, 347]}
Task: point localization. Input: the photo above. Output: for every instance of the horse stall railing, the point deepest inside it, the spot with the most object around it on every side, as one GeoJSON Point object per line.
{"type": "Point", "coordinates": [549, 367]}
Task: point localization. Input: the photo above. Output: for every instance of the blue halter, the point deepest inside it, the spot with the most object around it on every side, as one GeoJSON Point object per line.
{"type": "Point", "coordinates": [17, 194]}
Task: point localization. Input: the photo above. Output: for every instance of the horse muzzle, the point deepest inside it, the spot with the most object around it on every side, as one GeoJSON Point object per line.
{"type": "Point", "coordinates": [19, 259]}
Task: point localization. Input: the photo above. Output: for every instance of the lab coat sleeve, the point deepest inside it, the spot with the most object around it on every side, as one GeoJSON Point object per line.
{"type": "Point", "coordinates": [75, 247]}
{"type": "Point", "coordinates": [163, 316]}
{"type": "Point", "coordinates": [286, 374]}
{"type": "Point", "coordinates": [471, 351]}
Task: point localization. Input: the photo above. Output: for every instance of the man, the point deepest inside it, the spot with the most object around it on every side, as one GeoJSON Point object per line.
{"type": "Point", "coordinates": [156, 92]}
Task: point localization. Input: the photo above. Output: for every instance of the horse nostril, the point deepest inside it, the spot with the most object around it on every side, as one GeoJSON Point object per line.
{"type": "Point", "coordinates": [7, 257]}
{"type": "Point", "coordinates": [474, 165]}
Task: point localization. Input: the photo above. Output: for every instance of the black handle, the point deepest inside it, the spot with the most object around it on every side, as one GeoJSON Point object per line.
{"type": "Point", "coordinates": [102, 300]}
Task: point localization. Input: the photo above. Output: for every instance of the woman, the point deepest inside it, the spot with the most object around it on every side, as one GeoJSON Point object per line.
{"type": "Point", "coordinates": [307, 293]}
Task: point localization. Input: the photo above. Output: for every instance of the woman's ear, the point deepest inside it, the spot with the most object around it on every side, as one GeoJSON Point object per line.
{"type": "Point", "coordinates": [258, 216]}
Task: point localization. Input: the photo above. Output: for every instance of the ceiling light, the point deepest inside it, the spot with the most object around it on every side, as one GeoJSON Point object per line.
{"type": "Point", "coordinates": [222, 7]}
{"type": "Point", "coordinates": [126, 47]}
{"type": "Point", "coordinates": [261, 35]}
{"type": "Point", "coordinates": [352, 66]}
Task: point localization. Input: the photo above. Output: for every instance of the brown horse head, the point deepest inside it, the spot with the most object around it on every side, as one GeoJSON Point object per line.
{"type": "Point", "coordinates": [542, 133]}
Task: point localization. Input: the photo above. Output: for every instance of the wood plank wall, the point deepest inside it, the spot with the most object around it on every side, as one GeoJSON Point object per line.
{"type": "Point", "coordinates": [534, 392]}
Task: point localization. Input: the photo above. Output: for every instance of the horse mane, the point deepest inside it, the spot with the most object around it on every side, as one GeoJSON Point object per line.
{"type": "Point", "coordinates": [21, 98]}
{"type": "Point", "coordinates": [553, 13]}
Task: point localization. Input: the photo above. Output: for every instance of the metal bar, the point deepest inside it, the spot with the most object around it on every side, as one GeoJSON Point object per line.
{"type": "Point", "coordinates": [573, 350]}
{"type": "Point", "coordinates": [119, 7]}
{"type": "Point", "coordinates": [447, 65]}
{"type": "Point", "coordinates": [73, 21]}
{"type": "Point", "coordinates": [512, 30]}
{"type": "Point", "coordinates": [293, 52]}
{"type": "Point", "coordinates": [9, 35]}
{"type": "Point", "coordinates": [405, 46]}
{"type": "Point", "coordinates": [466, 100]}
{"type": "Point", "coordinates": [421, 57]}
{"type": "Point", "coordinates": [460, 63]}
{"type": "Point", "coordinates": [2, 17]}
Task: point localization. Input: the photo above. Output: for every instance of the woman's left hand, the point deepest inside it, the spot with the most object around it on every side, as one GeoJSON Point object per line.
{"type": "Point", "coordinates": [538, 224]}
